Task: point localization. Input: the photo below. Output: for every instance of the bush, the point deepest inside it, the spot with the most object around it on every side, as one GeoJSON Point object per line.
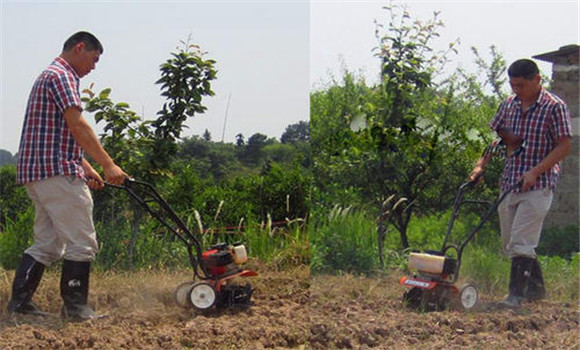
{"type": "Point", "coordinates": [344, 242]}
{"type": "Point", "coordinates": [490, 271]}
{"type": "Point", "coordinates": [152, 247]}
{"type": "Point", "coordinates": [561, 241]}
{"type": "Point", "coordinates": [561, 277]}
{"type": "Point", "coordinates": [16, 237]}
{"type": "Point", "coordinates": [485, 267]}
{"type": "Point", "coordinates": [283, 246]}
{"type": "Point", "coordinates": [13, 198]}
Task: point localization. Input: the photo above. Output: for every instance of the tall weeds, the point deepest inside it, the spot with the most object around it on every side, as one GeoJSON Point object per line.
{"type": "Point", "coordinates": [16, 237]}
{"type": "Point", "coordinates": [344, 240]}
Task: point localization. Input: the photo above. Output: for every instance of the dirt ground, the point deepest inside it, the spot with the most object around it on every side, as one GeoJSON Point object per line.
{"type": "Point", "coordinates": [290, 311]}
{"type": "Point", "coordinates": [358, 313]}
{"type": "Point", "coordinates": [142, 314]}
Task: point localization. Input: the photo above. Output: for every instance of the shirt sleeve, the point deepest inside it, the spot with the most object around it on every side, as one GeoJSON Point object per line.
{"type": "Point", "coordinates": [497, 121]}
{"type": "Point", "coordinates": [561, 121]}
{"type": "Point", "coordinates": [64, 89]}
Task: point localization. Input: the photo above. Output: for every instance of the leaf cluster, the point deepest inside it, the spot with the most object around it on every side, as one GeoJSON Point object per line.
{"type": "Point", "coordinates": [185, 80]}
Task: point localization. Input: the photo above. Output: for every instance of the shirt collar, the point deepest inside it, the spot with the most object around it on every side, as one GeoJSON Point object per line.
{"type": "Point", "coordinates": [61, 61]}
{"type": "Point", "coordinates": [543, 97]}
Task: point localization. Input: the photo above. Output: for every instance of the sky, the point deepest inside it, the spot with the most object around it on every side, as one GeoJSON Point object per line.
{"type": "Point", "coordinates": [261, 49]}
{"type": "Point", "coordinates": [342, 33]}
{"type": "Point", "coordinates": [270, 54]}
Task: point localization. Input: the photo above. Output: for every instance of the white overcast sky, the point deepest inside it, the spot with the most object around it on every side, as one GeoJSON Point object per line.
{"type": "Point", "coordinates": [261, 49]}
{"type": "Point", "coordinates": [269, 54]}
{"type": "Point", "coordinates": [343, 33]}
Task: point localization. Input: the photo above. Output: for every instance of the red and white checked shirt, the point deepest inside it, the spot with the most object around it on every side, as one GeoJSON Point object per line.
{"type": "Point", "coordinates": [47, 148]}
{"type": "Point", "coordinates": [547, 120]}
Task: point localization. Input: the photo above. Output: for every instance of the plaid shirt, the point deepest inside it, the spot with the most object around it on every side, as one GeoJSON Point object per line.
{"type": "Point", "coordinates": [47, 148]}
{"type": "Point", "coordinates": [546, 120]}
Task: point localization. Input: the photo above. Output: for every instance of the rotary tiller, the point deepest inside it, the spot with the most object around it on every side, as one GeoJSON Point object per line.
{"type": "Point", "coordinates": [433, 287]}
{"type": "Point", "coordinates": [214, 269]}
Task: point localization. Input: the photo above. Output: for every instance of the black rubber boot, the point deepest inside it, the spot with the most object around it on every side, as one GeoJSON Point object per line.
{"type": "Point", "coordinates": [535, 290]}
{"type": "Point", "coordinates": [519, 276]}
{"type": "Point", "coordinates": [74, 290]}
{"type": "Point", "coordinates": [26, 281]}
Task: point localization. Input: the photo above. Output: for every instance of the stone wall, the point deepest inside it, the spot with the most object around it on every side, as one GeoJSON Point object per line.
{"type": "Point", "coordinates": [565, 77]}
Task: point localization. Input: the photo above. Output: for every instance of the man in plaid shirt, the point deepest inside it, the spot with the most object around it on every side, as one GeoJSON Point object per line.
{"type": "Point", "coordinates": [57, 178]}
{"type": "Point", "coordinates": [542, 120]}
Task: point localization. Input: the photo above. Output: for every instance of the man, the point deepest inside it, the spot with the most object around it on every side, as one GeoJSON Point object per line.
{"type": "Point", "coordinates": [57, 177]}
{"type": "Point", "coordinates": [541, 120]}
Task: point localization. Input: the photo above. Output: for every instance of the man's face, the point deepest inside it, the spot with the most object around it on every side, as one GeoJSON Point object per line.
{"type": "Point", "coordinates": [525, 89]}
{"type": "Point", "coordinates": [85, 60]}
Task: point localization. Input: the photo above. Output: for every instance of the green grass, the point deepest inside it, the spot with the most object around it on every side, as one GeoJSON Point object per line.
{"type": "Point", "coordinates": [16, 237]}
{"type": "Point", "coordinates": [344, 240]}
{"type": "Point", "coordinates": [154, 247]}
{"type": "Point", "coordinates": [490, 271]}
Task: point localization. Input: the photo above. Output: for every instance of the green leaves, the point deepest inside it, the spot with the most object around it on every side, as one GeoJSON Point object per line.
{"type": "Point", "coordinates": [185, 80]}
{"type": "Point", "coordinates": [104, 94]}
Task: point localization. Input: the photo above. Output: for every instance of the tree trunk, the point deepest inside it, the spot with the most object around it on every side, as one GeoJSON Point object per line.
{"type": "Point", "coordinates": [382, 232]}
{"type": "Point", "coordinates": [403, 219]}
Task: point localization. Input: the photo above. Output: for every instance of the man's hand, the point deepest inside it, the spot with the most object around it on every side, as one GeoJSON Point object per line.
{"type": "Point", "coordinates": [476, 174]}
{"type": "Point", "coordinates": [115, 175]}
{"type": "Point", "coordinates": [528, 180]}
{"type": "Point", "coordinates": [562, 149]}
{"type": "Point", "coordinates": [95, 183]}
{"type": "Point", "coordinates": [94, 180]}
{"type": "Point", "coordinates": [511, 140]}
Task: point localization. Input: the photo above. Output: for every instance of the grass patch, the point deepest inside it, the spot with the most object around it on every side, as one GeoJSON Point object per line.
{"type": "Point", "coordinates": [346, 241]}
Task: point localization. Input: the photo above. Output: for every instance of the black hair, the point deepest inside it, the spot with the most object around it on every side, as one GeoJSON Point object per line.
{"type": "Point", "coordinates": [523, 68]}
{"type": "Point", "coordinates": [91, 42]}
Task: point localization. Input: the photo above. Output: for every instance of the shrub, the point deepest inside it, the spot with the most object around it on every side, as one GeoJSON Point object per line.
{"type": "Point", "coordinates": [152, 247]}
{"type": "Point", "coordinates": [490, 271]}
{"type": "Point", "coordinates": [345, 241]}
{"type": "Point", "coordinates": [13, 198]}
{"type": "Point", "coordinates": [486, 267]}
{"type": "Point", "coordinates": [561, 277]}
{"type": "Point", "coordinates": [562, 241]}
{"type": "Point", "coordinates": [16, 237]}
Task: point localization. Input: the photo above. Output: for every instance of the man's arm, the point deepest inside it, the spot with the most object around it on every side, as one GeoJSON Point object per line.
{"type": "Point", "coordinates": [86, 138]}
{"type": "Point", "coordinates": [479, 168]}
{"type": "Point", "coordinates": [562, 149]}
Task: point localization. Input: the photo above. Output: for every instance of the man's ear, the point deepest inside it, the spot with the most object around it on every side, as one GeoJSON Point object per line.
{"type": "Point", "coordinates": [79, 47]}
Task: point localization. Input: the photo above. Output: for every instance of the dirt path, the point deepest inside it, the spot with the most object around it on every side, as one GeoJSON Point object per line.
{"type": "Point", "coordinates": [290, 311]}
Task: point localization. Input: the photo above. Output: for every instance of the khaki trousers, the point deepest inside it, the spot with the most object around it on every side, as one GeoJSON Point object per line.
{"type": "Point", "coordinates": [521, 217]}
{"type": "Point", "coordinates": [63, 223]}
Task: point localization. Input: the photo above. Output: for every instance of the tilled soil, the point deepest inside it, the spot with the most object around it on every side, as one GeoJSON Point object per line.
{"type": "Point", "coordinates": [351, 312]}
{"type": "Point", "coordinates": [290, 310]}
{"type": "Point", "coordinates": [142, 314]}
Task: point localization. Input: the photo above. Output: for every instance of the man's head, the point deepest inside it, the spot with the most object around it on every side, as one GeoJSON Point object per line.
{"type": "Point", "coordinates": [82, 51]}
{"type": "Point", "coordinates": [525, 79]}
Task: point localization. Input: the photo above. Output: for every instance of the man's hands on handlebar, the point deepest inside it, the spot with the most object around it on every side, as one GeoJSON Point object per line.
{"type": "Point", "coordinates": [113, 174]}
